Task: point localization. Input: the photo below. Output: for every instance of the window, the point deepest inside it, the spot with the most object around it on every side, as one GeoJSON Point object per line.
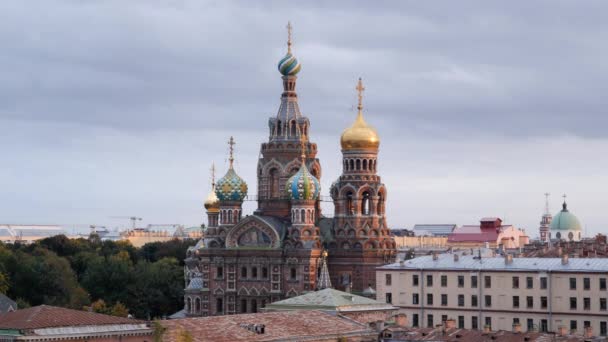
{"type": "Point", "coordinates": [488, 300]}
{"type": "Point", "coordinates": [586, 303]}
{"type": "Point", "coordinates": [573, 325]}
{"type": "Point", "coordinates": [474, 323]}
{"type": "Point", "coordinates": [489, 322]}
{"type": "Point", "coordinates": [572, 303]}
{"type": "Point", "coordinates": [586, 284]}
{"type": "Point", "coordinates": [264, 272]}
{"type": "Point", "coordinates": [516, 301]}
{"type": "Point", "coordinates": [389, 297]}
{"type": "Point", "coordinates": [444, 299]}
{"type": "Point", "coordinates": [603, 329]}
{"type": "Point", "coordinates": [444, 281]}
{"type": "Point", "coordinates": [543, 283]}
{"type": "Point", "coordinates": [473, 282]}
{"type": "Point", "coordinates": [544, 326]}
{"type": "Point", "coordinates": [415, 280]}
{"type": "Point", "coordinates": [460, 281]}
{"type": "Point", "coordinates": [254, 306]}
{"type": "Point", "coordinates": [429, 321]}
{"type": "Point", "coordinates": [460, 322]}
{"type": "Point", "coordinates": [487, 280]}
{"type": "Point", "coordinates": [429, 280]}
{"type": "Point", "coordinates": [529, 302]}
{"type": "Point", "coordinates": [220, 272]}
{"type": "Point", "coordinates": [572, 283]}
{"type": "Point", "coordinates": [219, 305]}
{"type": "Point", "coordinates": [460, 300]}
{"type": "Point", "coordinates": [293, 273]}
{"type": "Point", "coordinates": [254, 272]}
{"type": "Point", "coordinates": [243, 305]}
{"type": "Point", "coordinates": [388, 279]}
{"type": "Point", "coordinates": [429, 299]}
{"type": "Point", "coordinates": [586, 324]}
{"type": "Point", "coordinates": [602, 304]}
{"type": "Point", "coordinates": [474, 300]}
{"type": "Point", "coordinates": [415, 299]}
{"type": "Point", "coordinates": [529, 282]}
{"type": "Point", "coordinates": [243, 272]}
{"type": "Point", "coordinates": [444, 318]}
{"type": "Point", "coordinates": [603, 284]}
{"type": "Point", "coordinates": [415, 320]}
{"type": "Point", "coordinates": [530, 324]}
{"type": "Point", "coordinates": [515, 320]}
{"type": "Point", "coordinates": [515, 282]}
{"type": "Point", "coordinates": [543, 302]}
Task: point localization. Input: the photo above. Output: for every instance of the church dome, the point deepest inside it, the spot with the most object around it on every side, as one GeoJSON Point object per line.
{"type": "Point", "coordinates": [565, 220]}
{"type": "Point", "coordinates": [303, 185]}
{"type": "Point", "coordinates": [289, 65]}
{"type": "Point", "coordinates": [360, 136]}
{"type": "Point", "coordinates": [212, 203]}
{"type": "Point", "coordinates": [231, 187]}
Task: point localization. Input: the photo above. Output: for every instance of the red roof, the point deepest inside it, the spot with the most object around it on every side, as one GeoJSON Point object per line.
{"type": "Point", "coordinates": [44, 316]}
{"type": "Point", "coordinates": [278, 326]}
{"type": "Point", "coordinates": [473, 234]}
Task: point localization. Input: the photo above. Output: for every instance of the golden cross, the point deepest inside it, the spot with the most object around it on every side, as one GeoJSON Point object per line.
{"type": "Point", "coordinates": [212, 174]}
{"type": "Point", "coordinates": [303, 146]}
{"type": "Point", "coordinates": [289, 37]}
{"type": "Point", "coordinates": [231, 143]}
{"type": "Point", "coordinates": [360, 90]}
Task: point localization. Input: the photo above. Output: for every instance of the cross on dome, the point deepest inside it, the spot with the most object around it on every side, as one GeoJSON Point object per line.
{"type": "Point", "coordinates": [360, 90]}
{"type": "Point", "coordinates": [231, 142]}
{"type": "Point", "coordinates": [289, 37]}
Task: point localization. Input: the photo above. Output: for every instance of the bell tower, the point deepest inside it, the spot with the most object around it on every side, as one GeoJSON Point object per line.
{"type": "Point", "coordinates": [280, 156]}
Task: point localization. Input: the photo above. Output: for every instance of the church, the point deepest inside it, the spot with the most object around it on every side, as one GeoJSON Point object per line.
{"type": "Point", "coordinates": [287, 247]}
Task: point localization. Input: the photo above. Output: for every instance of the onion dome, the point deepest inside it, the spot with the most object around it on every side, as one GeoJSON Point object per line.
{"type": "Point", "coordinates": [289, 65]}
{"type": "Point", "coordinates": [303, 185]}
{"type": "Point", "coordinates": [212, 203]}
{"type": "Point", "coordinates": [231, 187]}
{"type": "Point", "coordinates": [565, 220]}
{"type": "Point", "coordinates": [360, 135]}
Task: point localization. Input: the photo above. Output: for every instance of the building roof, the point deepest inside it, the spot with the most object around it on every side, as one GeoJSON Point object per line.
{"type": "Point", "coordinates": [329, 299]}
{"type": "Point", "coordinates": [278, 326]}
{"type": "Point", "coordinates": [473, 233]}
{"type": "Point", "coordinates": [454, 334]}
{"type": "Point", "coordinates": [7, 304]}
{"type": "Point", "coordinates": [434, 229]}
{"type": "Point", "coordinates": [45, 316]}
{"type": "Point", "coordinates": [473, 263]}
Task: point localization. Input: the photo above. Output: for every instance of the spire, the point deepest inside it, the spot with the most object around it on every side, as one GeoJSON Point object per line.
{"type": "Point", "coordinates": [564, 205]}
{"type": "Point", "coordinates": [213, 175]}
{"type": "Point", "coordinates": [303, 148]}
{"type": "Point", "coordinates": [547, 203]}
{"type": "Point", "coordinates": [360, 90]}
{"type": "Point", "coordinates": [324, 281]}
{"type": "Point", "coordinates": [289, 37]}
{"type": "Point", "coordinates": [231, 143]}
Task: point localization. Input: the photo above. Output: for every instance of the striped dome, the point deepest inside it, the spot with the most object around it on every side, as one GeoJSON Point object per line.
{"type": "Point", "coordinates": [289, 65]}
{"type": "Point", "coordinates": [303, 185]}
{"type": "Point", "coordinates": [231, 187]}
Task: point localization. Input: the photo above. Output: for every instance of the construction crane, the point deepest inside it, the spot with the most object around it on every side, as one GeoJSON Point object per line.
{"type": "Point", "coordinates": [133, 219]}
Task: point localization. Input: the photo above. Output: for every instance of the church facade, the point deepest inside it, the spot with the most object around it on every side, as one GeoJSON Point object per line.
{"type": "Point", "coordinates": [247, 261]}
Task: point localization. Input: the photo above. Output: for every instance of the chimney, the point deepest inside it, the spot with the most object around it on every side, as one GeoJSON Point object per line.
{"type": "Point", "coordinates": [562, 331]}
{"type": "Point", "coordinates": [401, 262]}
{"type": "Point", "coordinates": [401, 320]}
{"type": "Point", "coordinates": [516, 328]}
{"type": "Point", "coordinates": [435, 256]}
{"type": "Point", "coordinates": [508, 259]}
{"type": "Point", "coordinates": [565, 259]}
{"type": "Point", "coordinates": [379, 325]}
{"type": "Point", "coordinates": [456, 257]}
{"type": "Point", "coordinates": [588, 332]}
{"type": "Point", "coordinates": [450, 323]}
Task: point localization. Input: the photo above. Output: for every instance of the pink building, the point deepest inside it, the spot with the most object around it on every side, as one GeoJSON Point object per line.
{"type": "Point", "coordinates": [490, 232]}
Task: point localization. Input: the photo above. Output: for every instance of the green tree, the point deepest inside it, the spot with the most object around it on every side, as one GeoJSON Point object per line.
{"type": "Point", "coordinates": [119, 310]}
{"type": "Point", "coordinates": [109, 278]}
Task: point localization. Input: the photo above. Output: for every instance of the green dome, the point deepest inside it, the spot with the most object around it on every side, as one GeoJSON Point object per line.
{"type": "Point", "coordinates": [565, 220]}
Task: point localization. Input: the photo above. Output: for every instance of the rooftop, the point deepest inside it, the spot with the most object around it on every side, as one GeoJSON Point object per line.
{"type": "Point", "coordinates": [471, 262]}
{"type": "Point", "coordinates": [329, 299]}
{"type": "Point", "coordinates": [278, 326]}
{"type": "Point", "coordinates": [454, 334]}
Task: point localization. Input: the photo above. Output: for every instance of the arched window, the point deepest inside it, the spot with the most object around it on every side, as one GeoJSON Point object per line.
{"type": "Point", "coordinates": [197, 305]}
{"type": "Point", "coordinates": [350, 208]}
{"type": "Point", "coordinates": [274, 183]}
{"type": "Point", "coordinates": [365, 204]}
{"type": "Point", "coordinates": [279, 128]}
{"type": "Point", "coordinates": [365, 164]}
{"type": "Point", "coordinates": [358, 164]}
{"type": "Point", "coordinates": [352, 165]}
{"type": "Point", "coordinates": [230, 216]}
{"type": "Point", "coordinates": [189, 305]}
{"type": "Point", "coordinates": [380, 206]}
{"type": "Point", "coordinates": [293, 128]}
{"type": "Point", "coordinates": [303, 214]}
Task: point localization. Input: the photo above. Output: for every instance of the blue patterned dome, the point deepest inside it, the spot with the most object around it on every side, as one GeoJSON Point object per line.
{"type": "Point", "coordinates": [231, 187]}
{"type": "Point", "coordinates": [303, 185]}
{"type": "Point", "coordinates": [289, 65]}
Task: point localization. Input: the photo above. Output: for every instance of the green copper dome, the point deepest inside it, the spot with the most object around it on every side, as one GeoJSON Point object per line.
{"type": "Point", "coordinates": [565, 220]}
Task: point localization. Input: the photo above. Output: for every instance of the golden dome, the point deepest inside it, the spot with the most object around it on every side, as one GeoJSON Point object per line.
{"type": "Point", "coordinates": [212, 203]}
{"type": "Point", "coordinates": [360, 136]}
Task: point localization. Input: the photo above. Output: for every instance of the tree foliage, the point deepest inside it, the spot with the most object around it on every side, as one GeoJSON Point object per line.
{"type": "Point", "coordinates": [112, 277]}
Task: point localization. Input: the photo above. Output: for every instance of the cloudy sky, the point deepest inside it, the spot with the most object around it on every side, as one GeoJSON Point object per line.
{"type": "Point", "coordinates": [112, 108]}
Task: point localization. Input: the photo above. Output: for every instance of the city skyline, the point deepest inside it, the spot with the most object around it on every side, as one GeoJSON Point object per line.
{"type": "Point", "coordinates": [126, 121]}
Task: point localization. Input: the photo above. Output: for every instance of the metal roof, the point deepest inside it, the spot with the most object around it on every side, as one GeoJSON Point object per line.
{"type": "Point", "coordinates": [329, 299]}
{"type": "Point", "coordinates": [472, 263]}
{"type": "Point", "coordinates": [435, 229]}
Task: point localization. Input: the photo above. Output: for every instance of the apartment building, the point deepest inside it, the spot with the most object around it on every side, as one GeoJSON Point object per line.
{"type": "Point", "coordinates": [499, 293]}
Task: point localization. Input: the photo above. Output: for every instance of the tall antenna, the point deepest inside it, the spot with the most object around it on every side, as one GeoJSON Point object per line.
{"type": "Point", "coordinates": [547, 202]}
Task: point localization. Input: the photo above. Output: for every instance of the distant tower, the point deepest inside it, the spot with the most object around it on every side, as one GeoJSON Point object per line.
{"type": "Point", "coordinates": [545, 222]}
{"type": "Point", "coordinates": [212, 206]}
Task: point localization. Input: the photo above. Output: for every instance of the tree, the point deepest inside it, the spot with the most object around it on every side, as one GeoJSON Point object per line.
{"type": "Point", "coordinates": [119, 310]}
{"type": "Point", "coordinates": [184, 336]}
